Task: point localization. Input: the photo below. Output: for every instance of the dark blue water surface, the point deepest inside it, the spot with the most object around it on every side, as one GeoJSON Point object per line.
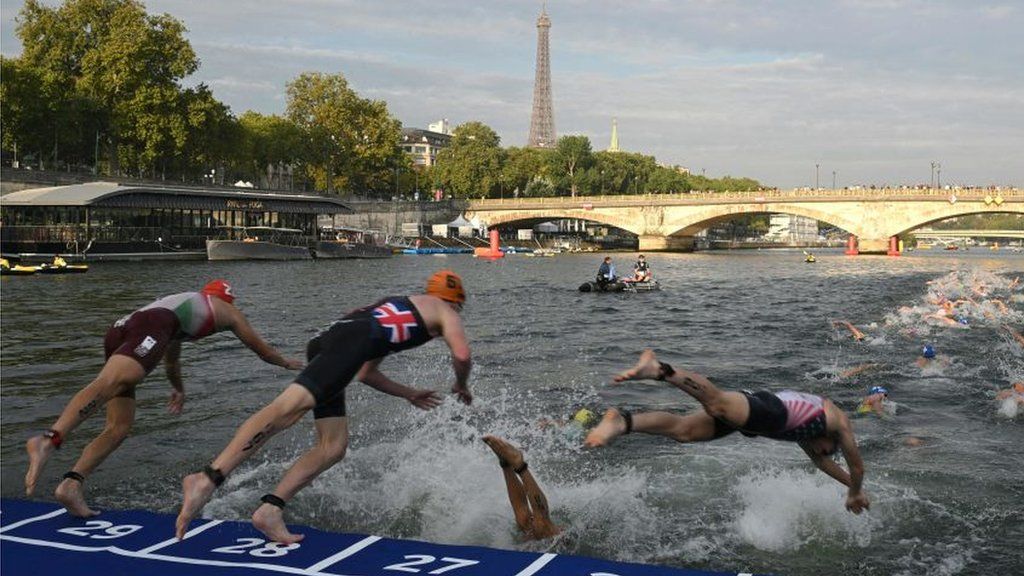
{"type": "Point", "coordinates": [748, 319]}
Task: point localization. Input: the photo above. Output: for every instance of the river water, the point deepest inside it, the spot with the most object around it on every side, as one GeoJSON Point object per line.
{"type": "Point", "coordinates": [748, 319]}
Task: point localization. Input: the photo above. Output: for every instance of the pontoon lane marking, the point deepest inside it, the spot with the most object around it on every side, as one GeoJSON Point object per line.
{"type": "Point", "coordinates": [357, 547]}
{"type": "Point", "coordinates": [537, 565]}
{"type": "Point", "coordinates": [21, 523]}
{"type": "Point", "coordinates": [175, 540]}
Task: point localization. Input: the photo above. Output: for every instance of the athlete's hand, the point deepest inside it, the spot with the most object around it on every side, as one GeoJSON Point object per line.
{"type": "Point", "coordinates": [647, 368]}
{"type": "Point", "coordinates": [857, 503]}
{"type": "Point", "coordinates": [423, 399]}
{"type": "Point", "coordinates": [465, 396]}
{"type": "Point", "coordinates": [293, 364]}
{"type": "Point", "coordinates": [177, 402]}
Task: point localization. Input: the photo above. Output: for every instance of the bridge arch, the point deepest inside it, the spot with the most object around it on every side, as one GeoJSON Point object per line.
{"type": "Point", "coordinates": [689, 224]}
{"type": "Point", "coordinates": [496, 219]}
{"type": "Point", "coordinates": [952, 212]}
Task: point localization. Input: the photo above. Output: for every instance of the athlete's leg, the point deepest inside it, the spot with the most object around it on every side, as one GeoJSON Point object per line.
{"type": "Point", "coordinates": [120, 416]}
{"type": "Point", "coordinates": [119, 374]}
{"type": "Point", "coordinates": [543, 527]}
{"type": "Point", "coordinates": [510, 457]}
{"type": "Point", "coordinates": [279, 415]}
{"type": "Point", "coordinates": [692, 427]}
{"type": "Point", "coordinates": [331, 443]}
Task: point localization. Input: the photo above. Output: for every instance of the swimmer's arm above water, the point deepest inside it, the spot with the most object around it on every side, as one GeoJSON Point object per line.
{"type": "Point", "coordinates": [172, 365]}
{"type": "Point", "coordinates": [370, 375]}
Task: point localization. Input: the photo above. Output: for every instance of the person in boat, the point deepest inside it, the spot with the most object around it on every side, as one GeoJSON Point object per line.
{"type": "Point", "coordinates": [5, 264]}
{"type": "Point", "coordinates": [58, 262]}
{"type": "Point", "coordinates": [641, 270]}
{"type": "Point", "coordinates": [606, 272]}
{"type": "Point", "coordinates": [815, 423]}
{"type": "Point", "coordinates": [529, 504]}
{"type": "Point", "coordinates": [133, 346]}
{"type": "Point", "coordinates": [350, 348]}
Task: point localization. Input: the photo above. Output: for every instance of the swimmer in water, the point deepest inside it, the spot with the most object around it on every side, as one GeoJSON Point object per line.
{"type": "Point", "coordinates": [529, 505]}
{"type": "Point", "coordinates": [928, 357]}
{"type": "Point", "coordinates": [576, 427]}
{"type": "Point", "coordinates": [857, 370]}
{"type": "Point", "coordinates": [815, 423]}
{"type": "Point", "coordinates": [874, 401]}
{"type": "Point", "coordinates": [1016, 392]}
{"type": "Point", "coordinates": [857, 334]}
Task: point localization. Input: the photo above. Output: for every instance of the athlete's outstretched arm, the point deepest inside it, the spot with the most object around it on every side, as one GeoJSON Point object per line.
{"type": "Point", "coordinates": [462, 362]}
{"type": "Point", "coordinates": [238, 324]}
{"type": "Point", "coordinates": [370, 375]}
{"type": "Point", "coordinates": [856, 500]}
{"type": "Point", "coordinates": [172, 364]}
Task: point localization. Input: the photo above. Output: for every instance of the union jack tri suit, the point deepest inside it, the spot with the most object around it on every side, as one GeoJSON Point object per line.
{"type": "Point", "coordinates": [786, 415]}
{"type": "Point", "coordinates": [334, 356]}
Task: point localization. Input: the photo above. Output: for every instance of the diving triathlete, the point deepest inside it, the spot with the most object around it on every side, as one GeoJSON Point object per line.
{"type": "Point", "coordinates": [134, 346]}
{"type": "Point", "coordinates": [815, 423]}
{"type": "Point", "coordinates": [352, 347]}
{"type": "Point", "coordinates": [529, 505]}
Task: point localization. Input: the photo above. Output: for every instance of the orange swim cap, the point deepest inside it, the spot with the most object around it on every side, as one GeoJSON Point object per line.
{"type": "Point", "coordinates": [1019, 387]}
{"type": "Point", "coordinates": [219, 289]}
{"type": "Point", "coordinates": [446, 285]}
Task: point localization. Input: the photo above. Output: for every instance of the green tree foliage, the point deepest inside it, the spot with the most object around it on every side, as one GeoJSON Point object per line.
{"type": "Point", "coordinates": [572, 157]}
{"type": "Point", "coordinates": [350, 143]}
{"type": "Point", "coordinates": [23, 108]}
{"type": "Point", "coordinates": [112, 61]}
{"type": "Point", "coordinates": [267, 141]}
{"type": "Point", "coordinates": [470, 167]}
{"type": "Point", "coordinates": [523, 166]}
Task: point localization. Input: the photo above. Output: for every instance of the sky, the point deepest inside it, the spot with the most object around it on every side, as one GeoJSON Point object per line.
{"type": "Point", "coordinates": [792, 93]}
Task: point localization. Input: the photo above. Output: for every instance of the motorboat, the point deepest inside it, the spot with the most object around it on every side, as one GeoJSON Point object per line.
{"type": "Point", "coordinates": [353, 243]}
{"type": "Point", "coordinates": [259, 243]}
{"type": "Point", "coordinates": [18, 270]}
{"type": "Point", "coordinates": [63, 269]}
{"type": "Point", "coordinates": [594, 286]}
{"type": "Point", "coordinates": [645, 286]}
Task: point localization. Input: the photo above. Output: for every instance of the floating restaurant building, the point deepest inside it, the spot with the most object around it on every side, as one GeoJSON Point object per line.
{"type": "Point", "coordinates": [107, 219]}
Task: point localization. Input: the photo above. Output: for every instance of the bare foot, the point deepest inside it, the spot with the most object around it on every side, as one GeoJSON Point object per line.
{"type": "Point", "coordinates": [647, 368]}
{"type": "Point", "coordinates": [505, 451]}
{"type": "Point", "coordinates": [196, 492]}
{"type": "Point", "coordinates": [39, 449]}
{"type": "Point", "coordinates": [612, 425]}
{"type": "Point", "coordinates": [71, 495]}
{"type": "Point", "coordinates": [269, 519]}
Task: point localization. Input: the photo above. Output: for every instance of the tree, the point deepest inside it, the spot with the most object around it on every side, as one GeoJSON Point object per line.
{"type": "Point", "coordinates": [523, 165]}
{"type": "Point", "coordinates": [23, 107]}
{"type": "Point", "coordinates": [572, 157]}
{"type": "Point", "coordinates": [123, 62]}
{"type": "Point", "coordinates": [470, 167]}
{"type": "Point", "coordinates": [350, 142]}
{"type": "Point", "coordinates": [264, 141]}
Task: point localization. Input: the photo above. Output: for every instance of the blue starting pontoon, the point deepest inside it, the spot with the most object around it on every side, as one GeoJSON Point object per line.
{"type": "Point", "coordinates": [41, 538]}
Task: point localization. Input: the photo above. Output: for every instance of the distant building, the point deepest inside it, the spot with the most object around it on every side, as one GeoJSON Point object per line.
{"type": "Point", "coordinates": [789, 228]}
{"type": "Point", "coordinates": [423, 145]}
{"type": "Point", "coordinates": [441, 127]}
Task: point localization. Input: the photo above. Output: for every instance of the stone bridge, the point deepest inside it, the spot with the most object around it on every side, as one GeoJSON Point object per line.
{"type": "Point", "coordinates": [669, 221]}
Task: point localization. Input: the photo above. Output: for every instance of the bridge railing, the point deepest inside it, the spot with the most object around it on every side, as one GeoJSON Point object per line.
{"type": "Point", "coordinates": [748, 196]}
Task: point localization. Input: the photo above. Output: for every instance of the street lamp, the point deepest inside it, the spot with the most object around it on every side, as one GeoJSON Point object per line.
{"type": "Point", "coordinates": [96, 156]}
{"type": "Point", "coordinates": [816, 179]}
{"type": "Point", "coordinates": [833, 179]}
{"type": "Point", "coordinates": [931, 182]}
{"type": "Point", "coordinates": [602, 182]}
{"type": "Point", "coordinates": [938, 175]}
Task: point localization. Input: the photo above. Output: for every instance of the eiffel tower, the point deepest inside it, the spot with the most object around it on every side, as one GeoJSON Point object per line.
{"type": "Point", "coordinates": [542, 123]}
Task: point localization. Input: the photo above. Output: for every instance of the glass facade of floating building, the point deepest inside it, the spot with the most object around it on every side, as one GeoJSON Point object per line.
{"type": "Point", "coordinates": [108, 217]}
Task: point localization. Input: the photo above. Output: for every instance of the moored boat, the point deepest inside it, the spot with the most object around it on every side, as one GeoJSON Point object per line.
{"type": "Point", "coordinates": [353, 243]}
{"type": "Point", "coordinates": [259, 243]}
{"type": "Point", "coordinates": [65, 269]}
